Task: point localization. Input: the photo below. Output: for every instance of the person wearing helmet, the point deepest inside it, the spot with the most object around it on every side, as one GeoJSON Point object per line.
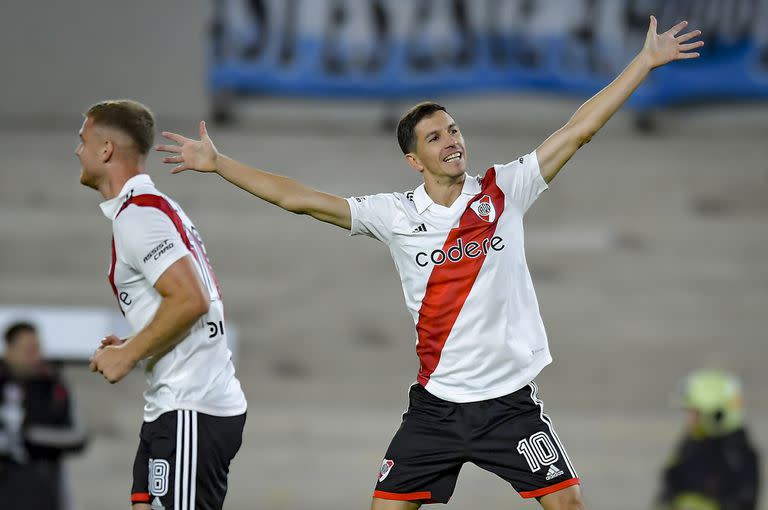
{"type": "Point", "coordinates": [715, 466]}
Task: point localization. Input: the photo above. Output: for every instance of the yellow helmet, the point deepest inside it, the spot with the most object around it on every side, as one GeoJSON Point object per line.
{"type": "Point", "coordinates": [717, 397]}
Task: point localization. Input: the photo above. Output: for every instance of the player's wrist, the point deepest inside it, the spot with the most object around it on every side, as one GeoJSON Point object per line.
{"type": "Point", "coordinates": [132, 351]}
{"type": "Point", "coordinates": [219, 162]}
{"type": "Point", "coordinates": [646, 60]}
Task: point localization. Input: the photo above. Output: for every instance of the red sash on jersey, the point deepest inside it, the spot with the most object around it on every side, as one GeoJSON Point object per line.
{"type": "Point", "coordinates": [162, 204]}
{"type": "Point", "coordinates": [449, 284]}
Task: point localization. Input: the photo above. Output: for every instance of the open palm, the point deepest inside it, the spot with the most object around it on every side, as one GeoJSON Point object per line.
{"type": "Point", "coordinates": [663, 48]}
{"type": "Point", "coordinates": [200, 155]}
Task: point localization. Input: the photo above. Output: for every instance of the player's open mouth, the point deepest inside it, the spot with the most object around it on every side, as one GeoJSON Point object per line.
{"type": "Point", "coordinates": [452, 157]}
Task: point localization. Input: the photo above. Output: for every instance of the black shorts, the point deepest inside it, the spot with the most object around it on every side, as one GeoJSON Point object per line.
{"type": "Point", "coordinates": [183, 460]}
{"type": "Point", "coordinates": [509, 436]}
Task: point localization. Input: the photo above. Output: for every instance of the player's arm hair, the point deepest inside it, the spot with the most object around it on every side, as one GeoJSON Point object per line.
{"type": "Point", "coordinates": [589, 118]}
{"type": "Point", "coordinates": [184, 301]}
{"type": "Point", "coordinates": [286, 193]}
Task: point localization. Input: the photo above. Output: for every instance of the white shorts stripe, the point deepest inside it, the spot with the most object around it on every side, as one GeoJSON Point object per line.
{"type": "Point", "coordinates": [545, 419]}
{"type": "Point", "coordinates": [177, 468]}
{"type": "Point", "coordinates": [185, 465]}
{"type": "Point", "coordinates": [193, 474]}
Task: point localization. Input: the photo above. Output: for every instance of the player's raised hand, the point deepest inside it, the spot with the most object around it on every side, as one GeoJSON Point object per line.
{"type": "Point", "coordinates": [200, 155]}
{"type": "Point", "coordinates": [663, 48]}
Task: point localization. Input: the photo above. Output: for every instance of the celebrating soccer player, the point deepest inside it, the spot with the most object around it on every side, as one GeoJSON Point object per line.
{"type": "Point", "coordinates": [457, 243]}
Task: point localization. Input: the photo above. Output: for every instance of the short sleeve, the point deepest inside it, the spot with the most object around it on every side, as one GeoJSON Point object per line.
{"type": "Point", "coordinates": [521, 181]}
{"type": "Point", "coordinates": [373, 215]}
{"type": "Point", "coordinates": [147, 240]}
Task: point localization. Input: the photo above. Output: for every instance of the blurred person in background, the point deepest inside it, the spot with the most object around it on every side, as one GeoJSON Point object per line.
{"type": "Point", "coordinates": [714, 466]}
{"type": "Point", "coordinates": [38, 426]}
{"type": "Point", "coordinates": [457, 243]}
{"type": "Point", "coordinates": [194, 411]}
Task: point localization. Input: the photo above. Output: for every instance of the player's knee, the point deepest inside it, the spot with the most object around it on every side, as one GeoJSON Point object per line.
{"type": "Point", "coordinates": [567, 499]}
{"type": "Point", "coordinates": [389, 504]}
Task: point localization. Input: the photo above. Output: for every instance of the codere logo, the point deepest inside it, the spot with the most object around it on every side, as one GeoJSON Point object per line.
{"type": "Point", "coordinates": [458, 251]}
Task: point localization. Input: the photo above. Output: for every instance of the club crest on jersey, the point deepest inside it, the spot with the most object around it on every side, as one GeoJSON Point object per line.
{"type": "Point", "coordinates": [484, 209]}
{"type": "Point", "coordinates": [386, 467]}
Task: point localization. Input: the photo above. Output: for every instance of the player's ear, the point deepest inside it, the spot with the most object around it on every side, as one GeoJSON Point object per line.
{"type": "Point", "coordinates": [107, 150]}
{"type": "Point", "coordinates": [414, 162]}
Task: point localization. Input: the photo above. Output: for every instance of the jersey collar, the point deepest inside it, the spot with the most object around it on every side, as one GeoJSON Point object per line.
{"type": "Point", "coordinates": [111, 207]}
{"type": "Point", "coordinates": [422, 201]}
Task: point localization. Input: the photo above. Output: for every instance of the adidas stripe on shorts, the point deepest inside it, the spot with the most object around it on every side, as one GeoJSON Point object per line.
{"type": "Point", "coordinates": [509, 436]}
{"type": "Point", "coordinates": [183, 460]}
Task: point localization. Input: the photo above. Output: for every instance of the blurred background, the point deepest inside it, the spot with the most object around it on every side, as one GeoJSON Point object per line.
{"type": "Point", "coordinates": [648, 253]}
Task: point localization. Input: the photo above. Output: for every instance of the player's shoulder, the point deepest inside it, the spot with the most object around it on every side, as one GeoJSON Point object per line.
{"type": "Point", "coordinates": [139, 211]}
{"type": "Point", "coordinates": [392, 199]}
{"type": "Point", "coordinates": [520, 161]}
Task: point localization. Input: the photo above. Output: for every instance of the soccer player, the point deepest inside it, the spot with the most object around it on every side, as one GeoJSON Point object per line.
{"type": "Point", "coordinates": [457, 243]}
{"type": "Point", "coordinates": [164, 284]}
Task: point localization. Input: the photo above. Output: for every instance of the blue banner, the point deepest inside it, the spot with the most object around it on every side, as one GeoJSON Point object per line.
{"type": "Point", "coordinates": [424, 48]}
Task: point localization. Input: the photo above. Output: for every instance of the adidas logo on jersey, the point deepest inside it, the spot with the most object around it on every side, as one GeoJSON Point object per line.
{"type": "Point", "coordinates": [484, 209]}
{"type": "Point", "coordinates": [157, 504]}
{"type": "Point", "coordinates": [553, 472]}
{"type": "Point", "coordinates": [420, 228]}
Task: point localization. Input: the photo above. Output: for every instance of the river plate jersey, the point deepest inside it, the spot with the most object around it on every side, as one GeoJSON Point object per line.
{"type": "Point", "coordinates": [150, 233]}
{"type": "Point", "coordinates": [479, 333]}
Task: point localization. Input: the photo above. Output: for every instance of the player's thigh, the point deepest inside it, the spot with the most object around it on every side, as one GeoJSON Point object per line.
{"type": "Point", "coordinates": [154, 466]}
{"type": "Point", "coordinates": [425, 456]}
{"type": "Point", "coordinates": [388, 504]}
{"type": "Point", "coordinates": [515, 440]}
{"type": "Point", "coordinates": [218, 441]}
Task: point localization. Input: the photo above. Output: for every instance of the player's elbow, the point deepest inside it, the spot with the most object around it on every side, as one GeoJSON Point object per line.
{"type": "Point", "coordinates": [201, 305]}
{"type": "Point", "coordinates": [581, 132]}
{"type": "Point", "coordinates": [293, 204]}
{"type": "Point", "coordinates": [196, 305]}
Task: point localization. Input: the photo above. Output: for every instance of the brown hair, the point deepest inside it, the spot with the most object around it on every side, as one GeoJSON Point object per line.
{"type": "Point", "coordinates": [130, 117]}
{"type": "Point", "coordinates": [407, 126]}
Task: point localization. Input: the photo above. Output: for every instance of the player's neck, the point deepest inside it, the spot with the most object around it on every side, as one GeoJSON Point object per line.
{"type": "Point", "coordinates": [115, 181]}
{"type": "Point", "coordinates": [444, 190]}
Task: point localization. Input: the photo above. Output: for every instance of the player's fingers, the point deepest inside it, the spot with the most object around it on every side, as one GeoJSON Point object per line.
{"type": "Point", "coordinates": [174, 159]}
{"type": "Point", "coordinates": [168, 148]}
{"type": "Point", "coordinates": [179, 169]}
{"type": "Point", "coordinates": [683, 56]}
{"type": "Point", "coordinates": [677, 28]}
{"type": "Point", "coordinates": [691, 46]}
{"type": "Point", "coordinates": [688, 36]}
{"type": "Point", "coordinates": [203, 129]}
{"type": "Point", "coordinates": [175, 137]}
{"type": "Point", "coordinates": [653, 25]}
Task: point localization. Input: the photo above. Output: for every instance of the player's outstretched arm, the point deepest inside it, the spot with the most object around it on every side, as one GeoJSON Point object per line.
{"type": "Point", "coordinates": [659, 49]}
{"type": "Point", "coordinates": [202, 156]}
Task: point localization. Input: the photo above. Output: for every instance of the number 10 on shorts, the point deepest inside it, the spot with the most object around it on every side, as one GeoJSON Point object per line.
{"type": "Point", "coordinates": [538, 450]}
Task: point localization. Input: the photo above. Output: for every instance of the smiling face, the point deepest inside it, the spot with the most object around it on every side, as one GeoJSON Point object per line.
{"type": "Point", "coordinates": [439, 150]}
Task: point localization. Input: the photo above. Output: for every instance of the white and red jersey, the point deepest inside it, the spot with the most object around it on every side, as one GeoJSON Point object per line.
{"type": "Point", "coordinates": [479, 333]}
{"type": "Point", "coordinates": [151, 232]}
